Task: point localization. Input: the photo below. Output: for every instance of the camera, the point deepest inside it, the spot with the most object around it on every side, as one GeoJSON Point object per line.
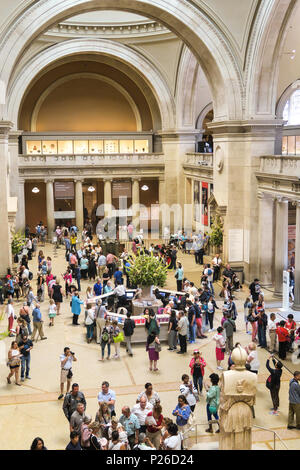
{"type": "Point", "coordinates": [73, 354]}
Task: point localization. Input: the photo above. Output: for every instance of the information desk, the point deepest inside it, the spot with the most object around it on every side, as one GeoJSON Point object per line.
{"type": "Point", "coordinates": [140, 332]}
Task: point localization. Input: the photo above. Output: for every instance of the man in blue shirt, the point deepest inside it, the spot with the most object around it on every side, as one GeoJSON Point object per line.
{"type": "Point", "coordinates": [107, 396]}
{"type": "Point", "coordinates": [131, 425]}
{"type": "Point", "coordinates": [37, 323]}
{"type": "Point", "coordinates": [118, 275]}
{"type": "Point", "coordinates": [97, 287]}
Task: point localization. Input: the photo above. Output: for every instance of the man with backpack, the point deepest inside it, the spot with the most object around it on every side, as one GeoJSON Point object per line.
{"type": "Point", "coordinates": [230, 328]}
{"type": "Point", "coordinates": [128, 329]}
{"type": "Point", "coordinates": [71, 401]}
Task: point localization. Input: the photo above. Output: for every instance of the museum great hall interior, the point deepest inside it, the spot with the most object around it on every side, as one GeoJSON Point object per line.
{"type": "Point", "coordinates": [196, 104]}
{"type": "Point", "coordinates": [190, 105]}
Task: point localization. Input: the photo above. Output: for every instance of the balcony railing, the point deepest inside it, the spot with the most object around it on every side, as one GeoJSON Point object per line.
{"type": "Point", "coordinates": [141, 159]}
{"type": "Point", "coordinates": [280, 165]}
{"type": "Point", "coordinates": [200, 159]}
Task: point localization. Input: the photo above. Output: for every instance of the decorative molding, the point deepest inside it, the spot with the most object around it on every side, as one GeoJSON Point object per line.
{"type": "Point", "coordinates": [103, 30]}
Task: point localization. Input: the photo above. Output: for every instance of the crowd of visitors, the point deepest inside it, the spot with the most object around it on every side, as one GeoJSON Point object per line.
{"type": "Point", "coordinates": [192, 318]}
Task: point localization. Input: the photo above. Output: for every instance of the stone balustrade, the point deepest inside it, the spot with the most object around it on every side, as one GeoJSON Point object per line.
{"type": "Point", "coordinates": [200, 159]}
{"type": "Point", "coordinates": [285, 165]}
{"type": "Point", "coordinates": [90, 160]}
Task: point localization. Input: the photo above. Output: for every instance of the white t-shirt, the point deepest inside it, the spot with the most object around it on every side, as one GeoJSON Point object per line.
{"type": "Point", "coordinates": [10, 310]}
{"type": "Point", "coordinates": [68, 363]}
{"type": "Point", "coordinates": [219, 339]}
{"type": "Point", "coordinates": [173, 442]}
{"type": "Point", "coordinates": [185, 390]}
{"type": "Point", "coordinates": [142, 413]}
{"type": "Point", "coordinates": [209, 276]}
{"type": "Point", "coordinates": [272, 325]}
{"type": "Point", "coordinates": [255, 362]}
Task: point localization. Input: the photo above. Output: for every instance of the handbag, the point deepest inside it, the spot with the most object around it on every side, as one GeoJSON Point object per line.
{"type": "Point", "coordinates": [70, 374]}
{"type": "Point", "coordinates": [119, 338]}
{"type": "Point", "coordinates": [157, 347]}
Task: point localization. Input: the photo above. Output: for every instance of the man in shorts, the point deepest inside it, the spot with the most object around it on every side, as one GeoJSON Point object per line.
{"type": "Point", "coordinates": [66, 361]}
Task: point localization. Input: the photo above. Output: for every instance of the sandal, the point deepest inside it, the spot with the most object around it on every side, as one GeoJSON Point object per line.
{"type": "Point", "coordinates": [150, 368]}
{"type": "Point", "coordinates": [155, 369]}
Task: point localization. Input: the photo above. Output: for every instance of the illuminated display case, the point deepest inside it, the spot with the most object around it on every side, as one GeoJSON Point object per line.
{"type": "Point", "coordinates": [65, 147]}
{"type": "Point", "coordinates": [34, 147]}
{"type": "Point", "coordinates": [141, 146]}
{"type": "Point", "coordinates": [90, 143]}
{"type": "Point", "coordinates": [111, 146]}
{"type": "Point", "coordinates": [126, 146]}
{"type": "Point", "coordinates": [81, 146]}
{"type": "Point", "coordinates": [96, 146]}
{"type": "Point", "coordinates": [49, 147]}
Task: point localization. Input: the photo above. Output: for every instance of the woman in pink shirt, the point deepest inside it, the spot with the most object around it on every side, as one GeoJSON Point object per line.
{"type": "Point", "coordinates": [220, 346]}
{"type": "Point", "coordinates": [68, 281]}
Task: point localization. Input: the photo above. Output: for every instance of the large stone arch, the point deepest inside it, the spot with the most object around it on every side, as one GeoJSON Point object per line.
{"type": "Point", "coordinates": [187, 20]}
{"type": "Point", "coordinates": [109, 48]}
{"type": "Point", "coordinates": [186, 86]}
{"type": "Point", "coordinates": [262, 64]}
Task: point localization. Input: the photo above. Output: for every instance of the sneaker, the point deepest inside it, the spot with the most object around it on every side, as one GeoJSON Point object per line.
{"type": "Point", "coordinates": [45, 337]}
{"type": "Point", "coordinates": [60, 396]}
{"type": "Point", "coordinates": [28, 378]}
{"type": "Point", "coordinates": [22, 379]}
{"type": "Point", "coordinates": [220, 367]}
{"type": "Point", "coordinates": [179, 352]}
{"type": "Point", "coordinates": [291, 427]}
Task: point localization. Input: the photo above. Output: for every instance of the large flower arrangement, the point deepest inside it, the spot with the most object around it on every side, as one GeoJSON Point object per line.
{"type": "Point", "coordinates": [145, 270]}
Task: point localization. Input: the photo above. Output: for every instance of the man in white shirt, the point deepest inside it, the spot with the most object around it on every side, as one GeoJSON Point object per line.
{"type": "Point", "coordinates": [182, 332]}
{"type": "Point", "coordinates": [272, 331]}
{"type": "Point", "coordinates": [187, 389]}
{"type": "Point", "coordinates": [66, 362]}
{"type": "Point", "coordinates": [141, 410]}
{"type": "Point", "coordinates": [174, 441]}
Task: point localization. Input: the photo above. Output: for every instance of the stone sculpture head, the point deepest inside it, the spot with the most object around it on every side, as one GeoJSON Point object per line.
{"type": "Point", "coordinates": [239, 358]}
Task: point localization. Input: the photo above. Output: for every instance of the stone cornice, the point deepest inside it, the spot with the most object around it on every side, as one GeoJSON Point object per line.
{"type": "Point", "coordinates": [245, 127]}
{"type": "Point", "coordinates": [147, 28]}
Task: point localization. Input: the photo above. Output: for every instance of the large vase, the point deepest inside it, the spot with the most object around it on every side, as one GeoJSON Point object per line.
{"type": "Point", "coordinates": [147, 293]}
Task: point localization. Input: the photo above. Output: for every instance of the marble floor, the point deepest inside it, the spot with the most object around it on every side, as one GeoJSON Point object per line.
{"type": "Point", "coordinates": [33, 409]}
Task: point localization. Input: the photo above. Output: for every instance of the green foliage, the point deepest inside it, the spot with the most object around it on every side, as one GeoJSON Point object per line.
{"type": "Point", "coordinates": [17, 242]}
{"type": "Point", "coordinates": [145, 270]}
{"type": "Point", "coordinates": [216, 234]}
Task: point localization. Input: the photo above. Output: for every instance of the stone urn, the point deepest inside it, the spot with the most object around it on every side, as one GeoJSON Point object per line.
{"type": "Point", "coordinates": [147, 300]}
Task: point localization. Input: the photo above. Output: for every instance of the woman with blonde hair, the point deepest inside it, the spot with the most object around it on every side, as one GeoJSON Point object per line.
{"type": "Point", "coordinates": [103, 417]}
{"type": "Point", "coordinates": [252, 358]}
{"type": "Point", "coordinates": [89, 293]}
{"type": "Point", "coordinates": [14, 362]}
{"type": "Point", "coordinates": [52, 312]}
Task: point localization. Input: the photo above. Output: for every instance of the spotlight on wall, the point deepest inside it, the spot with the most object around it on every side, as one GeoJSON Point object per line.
{"type": "Point", "coordinates": [91, 189]}
{"type": "Point", "coordinates": [145, 188]}
{"type": "Point", "coordinates": [35, 190]}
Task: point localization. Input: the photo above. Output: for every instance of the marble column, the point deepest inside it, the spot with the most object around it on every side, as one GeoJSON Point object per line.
{"type": "Point", "coordinates": [265, 238]}
{"type": "Point", "coordinates": [107, 197]}
{"type": "Point", "coordinates": [161, 201]}
{"type": "Point", "coordinates": [79, 205]}
{"type": "Point", "coordinates": [281, 242]}
{"type": "Point", "coordinates": [136, 203]}
{"type": "Point", "coordinates": [296, 305]}
{"type": "Point", "coordinates": [50, 208]}
{"type": "Point", "coordinates": [20, 216]}
{"type": "Point", "coordinates": [5, 237]}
